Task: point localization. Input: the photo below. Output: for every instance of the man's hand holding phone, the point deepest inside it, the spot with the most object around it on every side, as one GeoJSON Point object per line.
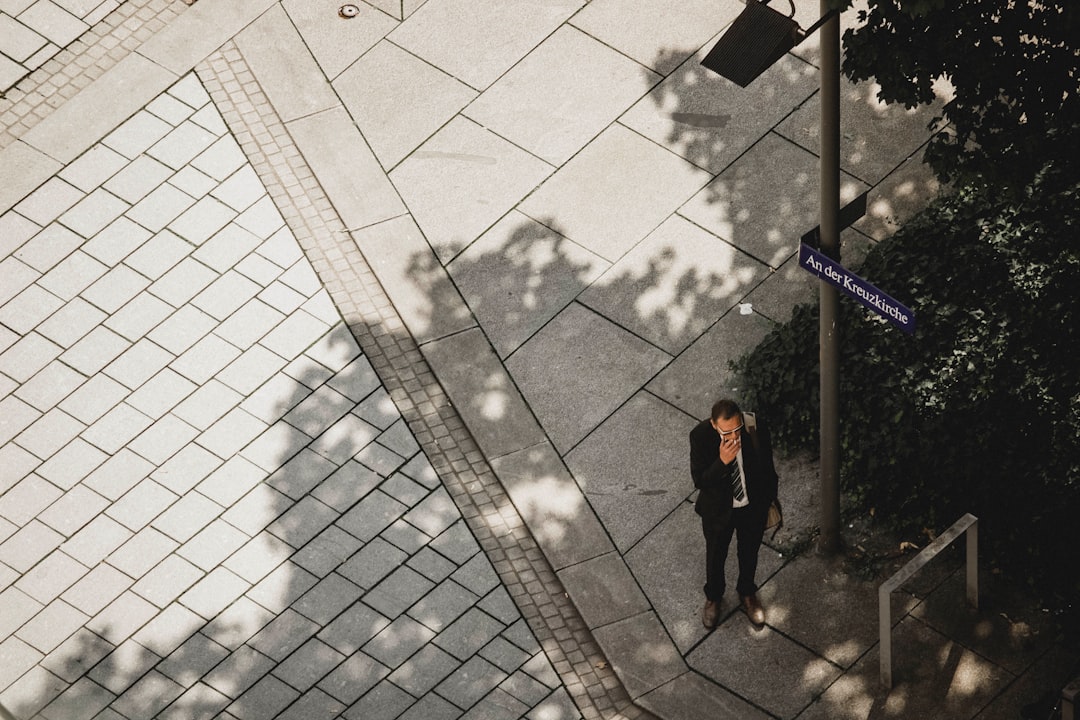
{"type": "Point", "coordinates": [729, 448]}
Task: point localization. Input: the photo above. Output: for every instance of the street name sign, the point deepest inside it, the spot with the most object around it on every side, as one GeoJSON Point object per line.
{"type": "Point", "coordinates": [863, 292]}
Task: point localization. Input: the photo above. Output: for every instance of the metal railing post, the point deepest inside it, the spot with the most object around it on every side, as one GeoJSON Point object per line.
{"type": "Point", "coordinates": [968, 526]}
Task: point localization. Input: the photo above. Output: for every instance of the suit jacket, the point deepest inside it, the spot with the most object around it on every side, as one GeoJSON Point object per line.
{"type": "Point", "coordinates": [713, 478]}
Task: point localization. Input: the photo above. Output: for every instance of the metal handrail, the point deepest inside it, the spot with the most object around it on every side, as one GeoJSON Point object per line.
{"type": "Point", "coordinates": [967, 525]}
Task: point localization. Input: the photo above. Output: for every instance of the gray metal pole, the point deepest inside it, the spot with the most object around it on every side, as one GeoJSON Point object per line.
{"type": "Point", "coordinates": [829, 542]}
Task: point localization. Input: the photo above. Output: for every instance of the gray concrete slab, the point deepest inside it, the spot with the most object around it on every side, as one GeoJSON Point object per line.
{"type": "Point", "coordinates": [691, 696]}
{"type": "Point", "coordinates": [898, 197]}
{"type": "Point", "coordinates": [765, 667]}
{"type": "Point", "coordinates": [657, 38]}
{"type": "Point", "coordinates": [669, 564]}
{"type": "Point", "coordinates": [876, 138]}
{"type": "Point", "coordinates": [349, 173]}
{"type": "Point", "coordinates": [608, 213]}
{"type": "Point", "coordinates": [416, 282]}
{"type": "Point", "coordinates": [700, 375]}
{"type": "Point", "coordinates": [932, 676]}
{"type": "Point", "coordinates": [398, 101]}
{"type": "Point", "coordinates": [553, 506]}
{"type": "Point", "coordinates": [1000, 629]}
{"type": "Point", "coordinates": [632, 468]}
{"type": "Point", "coordinates": [335, 42]}
{"type": "Point", "coordinates": [520, 274]}
{"type": "Point", "coordinates": [580, 360]}
{"type": "Point", "coordinates": [27, 168]}
{"type": "Point", "coordinates": [709, 120]}
{"type": "Point", "coordinates": [674, 284]}
{"type": "Point", "coordinates": [764, 202]}
{"type": "Point", "coordinates": [191, 37]}
{"type": "Point", "coordinates": [483, 392]}
{"type": "Point", "coordinates": [832, 612]}
{"type": "Point", "coordinates": [643, 655]}
{"type": "Point", "coordinates": [284, 66]}
{"type": "Point", "coordinates": [451, 36]}
{"type": "Point", "coordinates": [549, 106]}
{"type": "Point", "coordinates": [463, 179]}
{"type": "Point", "coordinates": [603, 590]}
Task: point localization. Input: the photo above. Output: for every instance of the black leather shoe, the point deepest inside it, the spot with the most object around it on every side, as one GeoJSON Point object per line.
{"type": "Point", "coordinates": [710, 614]}
{"type": "Point", "coordinates": [753, 610]}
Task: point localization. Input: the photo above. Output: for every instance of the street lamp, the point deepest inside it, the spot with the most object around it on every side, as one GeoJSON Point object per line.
{"type": "Point", "coordinates": [757, 38]}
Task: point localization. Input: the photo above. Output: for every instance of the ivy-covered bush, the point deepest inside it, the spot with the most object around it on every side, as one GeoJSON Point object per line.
{"type": "Point", "coordinates": [979, 411]}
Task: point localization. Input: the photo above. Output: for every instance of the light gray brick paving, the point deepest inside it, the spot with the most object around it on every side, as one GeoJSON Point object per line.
{"type": "Point", "coordinates": [327, 599]}
{"type": "Point", "coordinates": [170, 629]}
{"type": "Point", "coordinates": [151, 694]}
{"type": "Point", "coordinates": [308, 665]}
{"type": "Point", "coordinates": [114, 242]}
{"type": "Point", "coordinates": [169, 578]}
{"type": "Point", "coordinates": [30, 544]}
{"type": "Point", "coordinates": [213, 545]}
{"type": "Point", "coordinates": [27, 498]}
{"type": "Point", "coordinates": [193, 659]}
{"type": "Point", "coordinates": [137, 318]}
{"type": "Point", "coordinates": [385, 701]}
{"type": "Point", "coordinates": [96, 540]}
{"type": "Point", "coordinates": [442, 605]}
{"type": "Point", "coordinates": [239, 671]}
{"type": "Point", "coordinates": [313, 704]}
{"type": "Point", "coordinates": [117, 427]}
{"type": "Point", "coordinates": [405, 536]}
{"type": "Point", "coordinates": [76, 655]}
{"type": "Point", "coordinates": [431, 707]}
{"type": "Point", "coordinates": [94, 398]}
{"type": "Point", "coordinates": [303, 472]}
{"type": "Point", "coordinates": [198, 701]}
{"type": "Point", "coordinates": [265, 699]}
{"type": "Point", "coordinates": [50, 200]}
{"type": "Point", "coordinates": [216, 595]}
{"type": "Point", "coordinates": [251, 369]}
{"type": "Point", "coordinates": [163, 439]}
{"type": "Point", "coordinates": [284, 634]}
{"type": "Point", "coordinates": [123, 666]}
{"type": "Point", "coordinates": [82, 701]}
{"type": "Point", "coordinates": [122, 617]}
{"type": "Point", "coordinates": [33, 691]}
{"type": "Point", "coordinates": [327, 551]}
{"type": "Point", "coordinates": [282, 587]}
{"type": "Point", "coordinates": [354, 677]}
{"type": "Point", "coordinates": [50, 577]}
{"type": "Point", "coordinates": [470, 632]}
{"type": "Point", "coordinates": [472, 681]}
{"type": "Point", "coordinates": [424, 670]}
{"type": "Point", "coordinates": [497, 705]}
{"type": "Point", "coordinates": [398, 591]}
{"type": "Point", "coordinates": [186, 469]}
{"type": "Point", "coordinates": [257, 509]}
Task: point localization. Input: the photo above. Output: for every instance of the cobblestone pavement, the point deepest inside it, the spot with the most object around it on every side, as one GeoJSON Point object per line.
{"type": "Point", "coordinates": [212, 503]}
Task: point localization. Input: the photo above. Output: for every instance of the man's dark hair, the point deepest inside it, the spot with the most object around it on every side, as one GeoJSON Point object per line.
{"type": "Point", "coordinates": [725, 408]}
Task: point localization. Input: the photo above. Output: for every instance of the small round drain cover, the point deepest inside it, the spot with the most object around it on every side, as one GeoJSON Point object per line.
{"type": "Point", "coordinates": [348, 11]}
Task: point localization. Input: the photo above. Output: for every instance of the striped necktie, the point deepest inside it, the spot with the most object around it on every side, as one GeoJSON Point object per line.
{"type": "Point", "coordinates": [737, 493]}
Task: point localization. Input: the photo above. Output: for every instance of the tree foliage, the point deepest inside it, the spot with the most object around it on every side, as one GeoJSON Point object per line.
{"type": "Point", "coordinates": [1014, 65]}
{"type": "Point", "coordinates": [979, 411]}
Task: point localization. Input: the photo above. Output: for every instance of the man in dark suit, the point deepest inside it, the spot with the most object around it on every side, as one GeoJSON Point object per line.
{"type": "Point", "coordinates": [734, 472]}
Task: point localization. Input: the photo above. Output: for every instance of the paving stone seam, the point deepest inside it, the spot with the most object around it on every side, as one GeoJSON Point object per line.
{"type": "Point", "coordinates": [419, 397]}
{"type": "Point", "coordinates": [85, 59]}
